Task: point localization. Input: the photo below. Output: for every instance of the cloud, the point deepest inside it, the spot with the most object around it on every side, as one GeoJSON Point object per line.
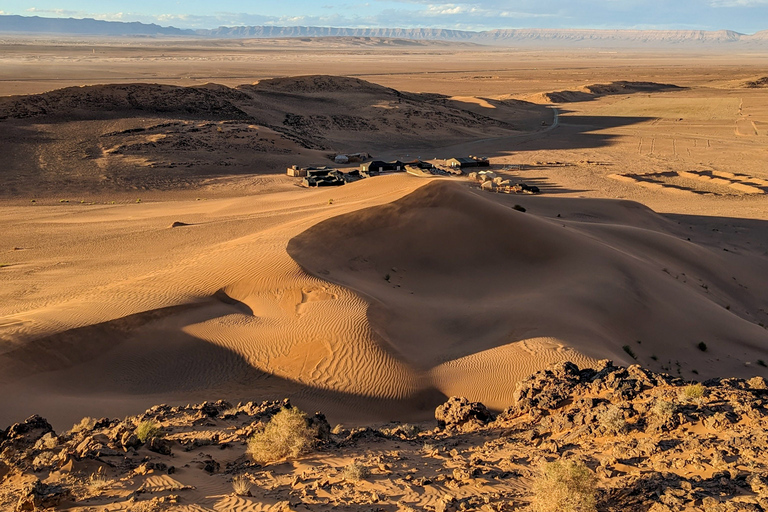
{"type": "Point", "coordinates": [738, 3]}
{"type": "Point", "coordinates": [56, 12]}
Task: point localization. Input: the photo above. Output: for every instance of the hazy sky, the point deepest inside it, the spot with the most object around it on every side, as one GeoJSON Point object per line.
{"type": "Point", "coordinates": [746, 16]}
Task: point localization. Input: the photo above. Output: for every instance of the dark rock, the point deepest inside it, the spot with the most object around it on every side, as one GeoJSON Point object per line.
{"type": "Point", "coordinates": [37, 495]}
{"type": "Point", "coordinates": [458, 411]}
{"type": "Point", "coordinates": [320, 423]}
{"type": "Point", "coordinates": [159, 445]}
{"type": "Point", "coordinates": [129, 441]}
{"type": "Point", "coordinates": [210, 466]}
{"type": "Point", "coordinates": [32, 429]}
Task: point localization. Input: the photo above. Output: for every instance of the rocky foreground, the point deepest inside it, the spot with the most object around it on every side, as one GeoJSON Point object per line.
{"type": "Point", "coordinates": [648, 441]}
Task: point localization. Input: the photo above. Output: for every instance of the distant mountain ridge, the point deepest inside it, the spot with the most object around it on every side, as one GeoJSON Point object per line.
{"type": "Point", "coordinates": [500, 37]}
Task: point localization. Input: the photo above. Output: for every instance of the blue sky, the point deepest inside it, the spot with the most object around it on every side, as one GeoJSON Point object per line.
{"type": "Point", "coordinates": [745, 16]}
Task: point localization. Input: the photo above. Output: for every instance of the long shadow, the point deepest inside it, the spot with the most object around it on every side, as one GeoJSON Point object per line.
{"type": "Point", "coordinates": [572, 132]}
{"type": "Point", "coordinates": [149, 358]}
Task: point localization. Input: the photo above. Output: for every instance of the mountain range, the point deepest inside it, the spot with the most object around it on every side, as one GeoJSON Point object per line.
{"type": "Point", "coordinates": [501, 37]}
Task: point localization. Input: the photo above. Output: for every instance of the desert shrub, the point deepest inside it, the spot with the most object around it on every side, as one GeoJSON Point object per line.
{"type": "Point", "coordinates": [355, 472]}
{"type": "Point", "coordinates": [564, 486]}
{"type": "Point", "coordinates": [428, 448]}
{"type": "Point", "coordinates": [519, 208]}
{"type": "Point", "coordinates": [702, 346]}
{"type": "Point", "coordinates": [405, 430]}
{"type": "Point", "coordinates": [147, 430]}
{"type": "Point", "coordinates": [241, 485]}
{"type": "Point", "coordinates": [286, 435]}
{"type": "Point", "coordinates": [98, 481]}
{"type": "Point", "coordinates": [86, 423]}
{"type": "Point", "coordinates": [663, 411]}
{"type": "Point", "coordinates": [612, 421]}
{"type": "Point", "coordinates": [761, 362]}
{"type": "Point", "coordinates": [692, 393]}
{"type": "Point", "coordinates": [629, 351]}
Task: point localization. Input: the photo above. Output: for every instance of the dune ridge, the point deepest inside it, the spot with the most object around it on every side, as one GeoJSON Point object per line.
{"type": "Point", "coordinates": [451, 274]}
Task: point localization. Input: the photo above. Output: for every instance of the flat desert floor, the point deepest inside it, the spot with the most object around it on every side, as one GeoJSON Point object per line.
{"type": "Point", "coordinates": [377, 300]}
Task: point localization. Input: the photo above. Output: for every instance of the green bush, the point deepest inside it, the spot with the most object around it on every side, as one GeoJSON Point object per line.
{"type": "Point", "coordinates": [286, 435]}
{"type": "Point", "coordinates": [564, 486]}
{"type": "Point", "coordinates": [147, 430]}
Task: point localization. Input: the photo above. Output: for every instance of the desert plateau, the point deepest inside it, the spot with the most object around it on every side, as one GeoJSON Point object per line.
{"type": "Point", "coordinates": [561, 280]}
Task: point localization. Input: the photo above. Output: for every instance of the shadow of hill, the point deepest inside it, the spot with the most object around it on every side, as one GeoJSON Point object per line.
{"type": "Point", "coordinates": [121, 366]}
{"type": "Point", "coordinates": [595, 91]}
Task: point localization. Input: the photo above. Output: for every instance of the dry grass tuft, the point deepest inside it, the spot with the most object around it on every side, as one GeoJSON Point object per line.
{"type": "Point", "coordinates": [286, 435]}
{"type": "Point", "coordinates": [564, 486]}
{"type": "Point", "coordinates": [355, 472]}
{"type": "Point", "coordinates": [692, 393]}
{"type": "Point", "coordinates": [147, 430]}
{"type": "Point", "coordinates": [241, 484]}
{"type": "Point", "coordinates": [612, 421]}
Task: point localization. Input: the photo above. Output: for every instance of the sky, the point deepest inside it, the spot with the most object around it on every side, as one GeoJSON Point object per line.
{"type": "Point", "coordinates": [745, 16]}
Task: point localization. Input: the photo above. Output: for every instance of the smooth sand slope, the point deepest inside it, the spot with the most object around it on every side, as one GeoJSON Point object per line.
{"type": "Point", "coordinates": [471, 291]}
{"type": "Point", "coordinates": [109, 309]}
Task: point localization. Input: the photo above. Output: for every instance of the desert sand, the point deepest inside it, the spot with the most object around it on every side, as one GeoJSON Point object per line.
{"type": "Point", "coordinates": [377, 300]}
{"type": "Point", "coordinates": [154, 252]}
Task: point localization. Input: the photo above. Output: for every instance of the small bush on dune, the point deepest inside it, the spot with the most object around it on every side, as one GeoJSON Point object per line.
{"type": "Point", "coordinates": [564, 486]}
{"type": "Point", "coordinates": [147, 430]}
{"type": "Point", "coordinates": [286, 435]}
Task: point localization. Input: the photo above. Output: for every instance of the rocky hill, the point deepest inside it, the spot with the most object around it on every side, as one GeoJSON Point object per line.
{"type": "Point", "coordinates": [149, 136]}
{"type": "Point", "coordinates": [608, 438]}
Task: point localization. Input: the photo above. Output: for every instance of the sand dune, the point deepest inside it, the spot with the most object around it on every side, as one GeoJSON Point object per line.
{"type": "Point", "coordinates": [414, 290]}
{"type": "Point", "coordinates": [450, 274]}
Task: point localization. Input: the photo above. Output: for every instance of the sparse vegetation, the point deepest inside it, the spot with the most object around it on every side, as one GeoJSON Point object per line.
{"type": "Point", "coordinates": [387, 277]}
{"type": "Point", "coordinates": [702, 346]}
{"type": "Point", "coordinates": [692, 393]}
{"type": "Point", "coordinates": [612, 421]}
{"type": "Point", "coordinates": [286, 435]}
{"type": "Point", "coordinates": [629, 351]}
{"type": "Point", "coordinates": [355, 472]}
{"type": "Point", "coordinates": [663, 411]}
{"type": "Point", "coordinates": [86, 423]}
{"type": "Point", "coordinates": [428, 448]}
{"type": "Point", "coordinates": [518, 208]}
{"type": "Point", "coordinates": [761, 362]}
{"type": "Point", "coordinates": [98, 481]}
{"type": "Point", "coordinates": [147, 430]}
{"type": "Point", "coordinates": [241, 485]}
{"type": "Point", "coordinates": [564, 486]}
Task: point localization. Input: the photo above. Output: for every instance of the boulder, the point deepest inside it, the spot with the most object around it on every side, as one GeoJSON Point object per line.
{"type": "Point", "coordinates": [159, 445]}
{"type": "Point", "coordinates": [37, 495]}
{"type": "Point", "coordinates": [458, 411]}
